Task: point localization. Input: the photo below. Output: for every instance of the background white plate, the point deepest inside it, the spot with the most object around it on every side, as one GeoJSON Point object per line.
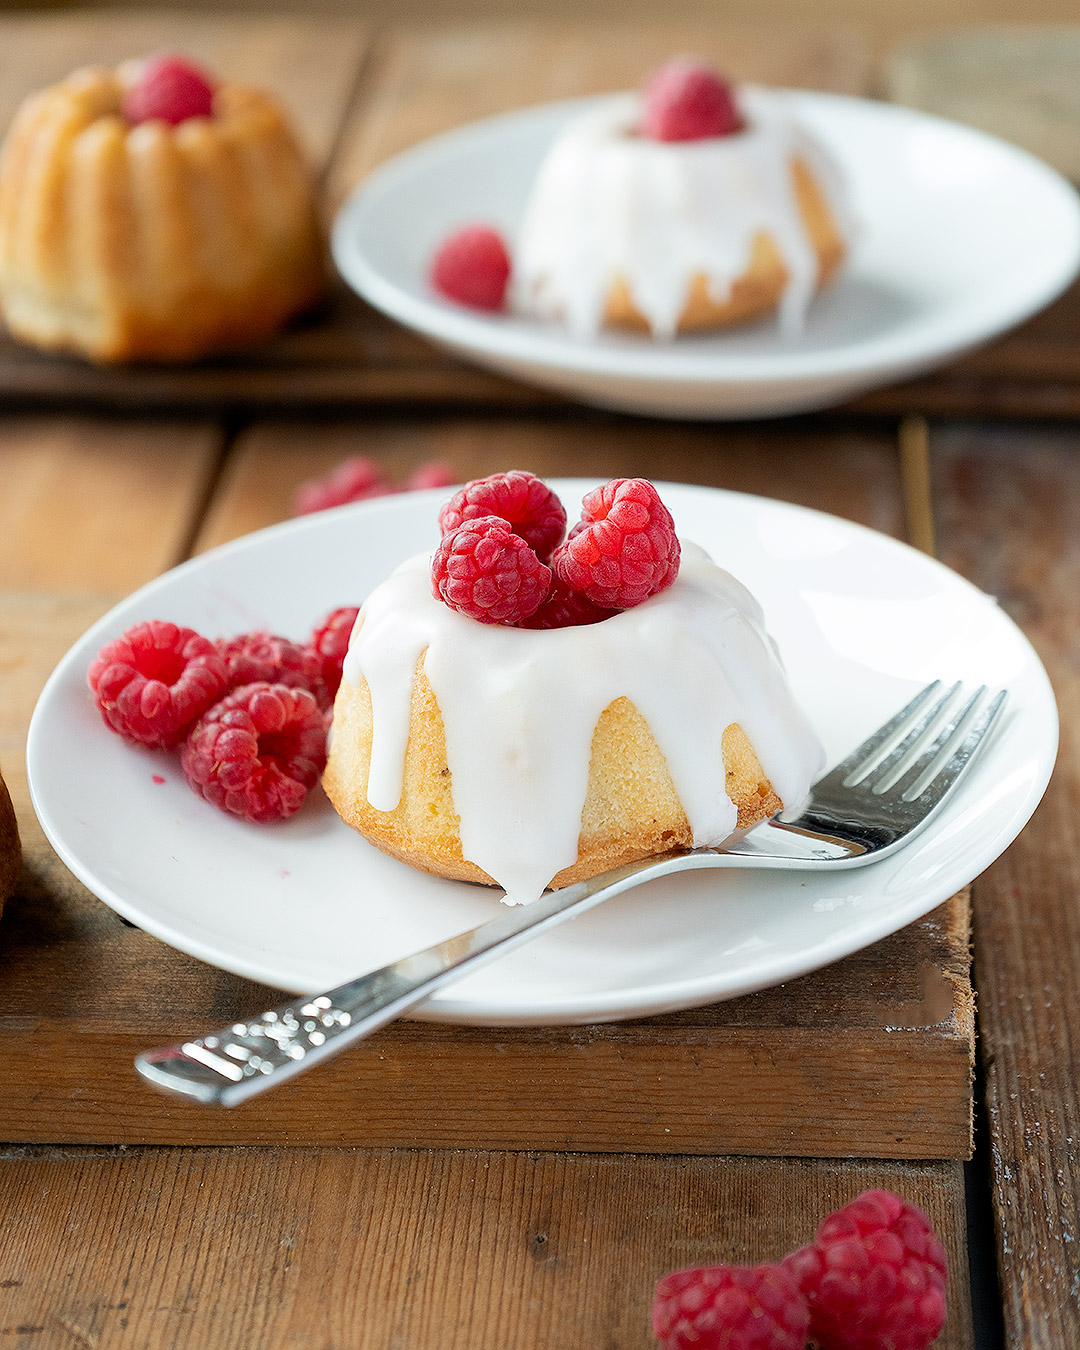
{"type": "Point", "coordinates": [862, 621]}
{"type": "Point", "coordinates": [960, 236]}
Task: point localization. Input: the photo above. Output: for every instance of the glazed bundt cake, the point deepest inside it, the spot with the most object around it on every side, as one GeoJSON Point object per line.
{"type": "Point", "coordinates": [142, 219]}
{"type": "Point", "coordinates": [536, 757]}
{"type": "Point", "coordinates": [713, 207]}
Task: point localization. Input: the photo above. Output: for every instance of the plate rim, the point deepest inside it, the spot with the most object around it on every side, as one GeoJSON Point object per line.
{"type": "Point", "coordinates": [647, 1000]}
{"type": "Point", "coordinates": [494, 337]}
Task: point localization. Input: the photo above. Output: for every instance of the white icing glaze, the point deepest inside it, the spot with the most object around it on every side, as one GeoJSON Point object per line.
{"type": "Point", "coordinates": [609, 203]}
{"type": "Point", "coordinates": [520, 707]}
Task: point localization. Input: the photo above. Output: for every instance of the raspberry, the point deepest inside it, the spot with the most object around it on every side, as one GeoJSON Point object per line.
{"type": "Point", "coordinates": [353, 480]}
{"type": "Point", "coordinates": [156, 681]}
{"type": "Point", "coordinates": [528, 506]}
{"type": "Point", "coordinates": [687, 100]}
{"type": "Point", "coordinates": [485, 570]}
{"type": "Point", "coordinates": [258, 752]}
{"type": "Point", "coordinates": [435, 474]}
{"type": "Point", "coordinates": [169, 89]}
{"type": "Point", "coordinates": [730, 1308]}
{"type": "Point", "coordinates": [627, 550]}
{"type": "Point", "coordinates": [565, 608]}
{"type": "Point", "coordinates": [330, 642]}
{"type": "Point", "coordinates": [874, 1277]}
{"type": "Point", "coordinates": [472, 267]}
{"type": "Point", "coordinates": [273, 660]}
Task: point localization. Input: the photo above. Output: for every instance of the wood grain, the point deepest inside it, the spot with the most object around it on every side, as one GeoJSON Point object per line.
{"type": "Point", "coordinates": [1008, 520]}
{"type": "Point", "coordinates": [335, 1250]}
{"type": "Point", "coordinates": [98, 504]}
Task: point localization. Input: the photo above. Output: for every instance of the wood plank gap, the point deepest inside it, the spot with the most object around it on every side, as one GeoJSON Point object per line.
{"type": "Point", "coordinates": [215, 469]}
{"type": "Point", "coordinates": [913, 436]}
{"type": "Point", "coordinates": [359, 90]}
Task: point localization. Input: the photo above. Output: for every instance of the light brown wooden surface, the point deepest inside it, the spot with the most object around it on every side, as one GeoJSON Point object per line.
{"type": "Point", "coordinates": [336, 1250]}
{"type": "Point", "coordinates": [1007, 517]}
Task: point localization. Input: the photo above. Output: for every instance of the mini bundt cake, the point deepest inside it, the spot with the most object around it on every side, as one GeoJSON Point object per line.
{"type": "Point", "coordinates": [536, 757]}
{"type": "Point", "coordinates": [691, 207]}
{"type": "Point", "coordinates": [146, 214]}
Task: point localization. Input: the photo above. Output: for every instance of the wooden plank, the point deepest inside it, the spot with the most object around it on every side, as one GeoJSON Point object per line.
{"type": "Point", "coordinates": [1006, 507]}
{"type": "Point", "coordinates": [454, 1251]}
{"type": "Point", "coordinates": [98, 504]}
{"type": "Point", "coordinates": [311, 66]}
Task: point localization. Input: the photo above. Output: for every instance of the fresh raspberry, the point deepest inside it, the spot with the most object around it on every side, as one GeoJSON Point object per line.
{"type": "Point", "coordinates": [730, 1308]}
{"type": "Point", "coordinates": [565, 608]}
{"type": "Point", "coordinates": [627, 550]}
{"type": "Point", "coordinates": [258, 752]}
{"type": "Point", "coordinates": [169, 89]}
{"type": "Point", "coordinates": [330, 642]}
{"type": "Point", "coordinates": [687, 100]}
{"type": "Point", "coordinates": [435, 474]}
{"type": "Point", "coordinates": [529, 506]}
{"type": "Point", "coordinates": [353, 480]}
{"type": "Point", "coordinates": [485, 570]}
{"type": "Point", "coordinates": [265, 657]}
{"type": "Point", "coordinates": [156, 681]}
{"type": "Point", "coordinates": [874, 1276]}
{"type": "Point", "coordinates": [472, 267]}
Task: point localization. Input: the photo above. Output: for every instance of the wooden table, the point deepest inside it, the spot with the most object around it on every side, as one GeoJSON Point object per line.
{"type": "Point", "coordinates": [453, 1187]}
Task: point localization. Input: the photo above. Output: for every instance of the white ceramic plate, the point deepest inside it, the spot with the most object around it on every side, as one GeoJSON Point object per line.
{"type": "Point", "coordinates": [862, 621]}
{"type": "Point", "coordinates": [960, 236]}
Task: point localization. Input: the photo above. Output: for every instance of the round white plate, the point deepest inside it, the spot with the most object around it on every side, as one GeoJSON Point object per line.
{"type": "Point", "coordinates": [862, 621]}
{"type": "Point", "coordinates": [960, 236]}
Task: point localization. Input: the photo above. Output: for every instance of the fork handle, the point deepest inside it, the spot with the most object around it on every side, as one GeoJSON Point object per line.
{"type": "Point", "coordinates": [240, 1061]}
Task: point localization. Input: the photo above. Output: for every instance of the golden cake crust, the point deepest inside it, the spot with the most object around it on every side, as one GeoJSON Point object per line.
{"type": "Point", "coordinates": [152, 242]}
{"type": "Point", "coordinates": [761, 286]}
{"type": "Point", "coordinates": [631, 809]}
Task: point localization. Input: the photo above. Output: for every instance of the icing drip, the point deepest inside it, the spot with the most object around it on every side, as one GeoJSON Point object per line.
{"type": "Point", "coordinates": [520, 706]}
{"type": "Point", "coordinates": [609, 204]}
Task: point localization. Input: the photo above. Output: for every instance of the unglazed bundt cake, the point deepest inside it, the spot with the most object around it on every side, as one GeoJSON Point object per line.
{"type": "Point", "coordinates": [535, 757]}
{"type": "Point", "coordinates": [690, 207]}
{"type": "Point", "coordinates": [147, 214]}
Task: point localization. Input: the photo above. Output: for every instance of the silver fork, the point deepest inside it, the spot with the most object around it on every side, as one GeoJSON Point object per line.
{"type": "Point", "coordinates": [868, 806]}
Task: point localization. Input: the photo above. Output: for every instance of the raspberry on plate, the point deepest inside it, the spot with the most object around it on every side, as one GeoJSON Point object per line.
{"type": "Point", "coordinates": [274, 660]}
{"type": "Point", "coordinates": [687, 100]}
{"type": "Point", "coordinates": [169, 89]}
{"type": "Point", "coordinates": [472, 267]}
{"type": "Point", "coordinates": [526, 503]}
{"type": "Point", "coordinates": [730, 1308]}
{"type": "Point", "coordinates": [259, 752]}
{"type": "Point", "coordinates": [485, 570]}
{"type": "Point", "coordinates": [153, 683]}
{"type": "Point", "coordinates": [874, 1276]}
{"type": "Point", "coordinates": [625, 548]}
{"type": "Point", "coordinates": [330, 643]}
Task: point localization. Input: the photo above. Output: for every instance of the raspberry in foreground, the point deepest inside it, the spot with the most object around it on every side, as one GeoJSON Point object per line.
{"type": "Point", "coordinates": [264, 656]}
{"type": "Point", "coordinates": [169, 89]}
{"type": "Point", "coordinates": [330, 643]}
{"type": "Point", "coordinates": [627, 549]}
{"type": "Point", "coordinates": [472, 267]}
{"type": "Point", "coordinates": [259, 752]}
{"type": "Point", "coordinates": [687, 100]}
{"type": "Point", "coordinates": [730, 1308]}
{"type": "Point", "coordinates": [528, 505]}
{"type": "Point", "coordinates": [486, 571]}
{"type": "Point", "coordinates": [153, 683]}
{"type": "Point", "coordinates": [874, 1277]}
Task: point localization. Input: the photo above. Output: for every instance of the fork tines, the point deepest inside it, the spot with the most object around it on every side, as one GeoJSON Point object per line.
{"type": "Point", "coordinates": [923, 746]}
